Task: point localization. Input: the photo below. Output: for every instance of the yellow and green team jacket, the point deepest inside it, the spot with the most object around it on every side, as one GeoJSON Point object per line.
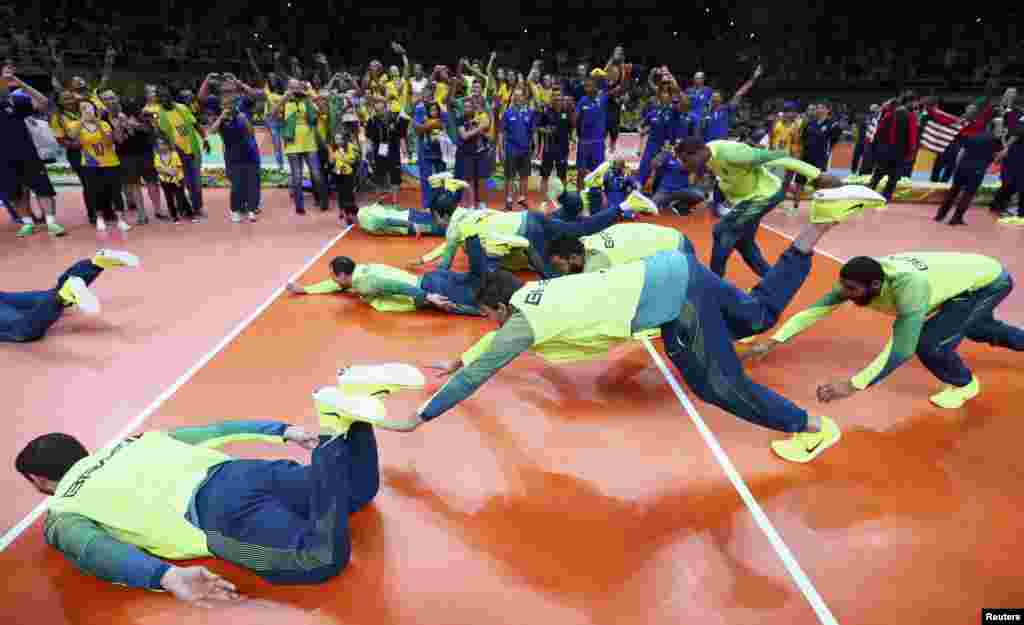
{"type": "Point", "coordinates": [916, 285]}
{"type": "Point", "coordinates": [743, 175]}
{"type": "Point", "coordinates": [386, 288]}
{"type": "Point", "coordinates": [628, 242]}
{"type": "Point", "coordinates": [573, 318]}
{"type": "Point", "coordinates": [126, 503]}
{"type": "Point", "coordinates": [486, 222]}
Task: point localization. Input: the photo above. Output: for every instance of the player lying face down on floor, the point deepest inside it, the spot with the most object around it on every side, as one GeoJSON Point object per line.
{"type": "Point", "coordinates": [390, 289]}
{"type": "Point", "coordinates": [122, 512]}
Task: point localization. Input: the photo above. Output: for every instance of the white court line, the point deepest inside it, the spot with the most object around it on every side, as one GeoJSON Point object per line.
{"type": "Point", "coordinates": [788, 560]}
{"type": "Point", "coordinates": [25, 523]}
{"type": "Point", "coordinates": [817, 250]}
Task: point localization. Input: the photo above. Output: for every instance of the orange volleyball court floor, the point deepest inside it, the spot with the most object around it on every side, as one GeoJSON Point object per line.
{"type": "Point", "coordinates": [562, 495]}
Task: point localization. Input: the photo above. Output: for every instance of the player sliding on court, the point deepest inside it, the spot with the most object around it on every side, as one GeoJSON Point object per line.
{"type": "Point", "coordinates": [445, 194]}
{"type": "Point", "coordinates": [580, 317]}
{"type": "Point", "coordinates": [618, 245]}
{"type": "Point", "coordinates": [119, 512]}
{"type": "Point", "coordinates": [27, 316]}
{"type": "Point", "coordinates": [389, 289]}
{"type": "Point", "coordinates": [938, 299]}
{"type": "Point", "coordinates": [528, 233]}
{"type": "Point", "coordinates": [752, 190]}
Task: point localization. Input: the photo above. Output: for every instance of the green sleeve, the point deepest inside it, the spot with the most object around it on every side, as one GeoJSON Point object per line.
{"type": "Point", "coordinates": [384, 286]}
{"type": "Point", "coordinates": [912, 306]}
{"type": "Point", "coordinates": [791, 164]}
{"type": "Point", "coordinates": [217, 434]}
{"type": "Point", "coordinates": [806, 318]}
{"type": "Point", "coordinates": [744, 155]}
{"type": "Point", "coordinates": [446, 252]}
{"type": "Point", "coordinates": [95, 552]}
{"type": "Point", "coordinates": [323, 288]}
{"type": "Point", "coordinates": [489, 356]}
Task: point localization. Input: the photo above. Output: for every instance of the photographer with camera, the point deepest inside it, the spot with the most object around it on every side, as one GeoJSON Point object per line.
{"type": "Point", "coordinates": [241, 153]}
{"type": "Point", "coordinates": [299, 113]}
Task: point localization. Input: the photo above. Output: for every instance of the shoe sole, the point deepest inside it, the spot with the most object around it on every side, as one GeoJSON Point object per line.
{"type": "Point", "coordinates": [84, 298]}
{"type": "Point", "coordinates": [119, 259]}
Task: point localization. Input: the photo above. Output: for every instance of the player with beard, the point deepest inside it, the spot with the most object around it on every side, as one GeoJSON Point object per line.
{"type": "Point", "coordinates": [938, 299]}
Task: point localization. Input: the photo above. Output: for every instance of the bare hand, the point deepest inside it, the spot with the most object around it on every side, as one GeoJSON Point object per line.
{"type": "Point", "coordinates": [419, 262]}
{"type": "Point", "coordinates": [758, 72]}
{"type": "Point", "coordinates": [197, 585]}
{"type": "Point", "coordinates": [295, 289]}
{"type": "Point", "coordinates": [440, 301]}
{"type": "Point", "coordinates": [835, 391]}
{"type": "Point", "coordinates": [320, 58]}
{"type": "Point", "coordinates": [302, 438]}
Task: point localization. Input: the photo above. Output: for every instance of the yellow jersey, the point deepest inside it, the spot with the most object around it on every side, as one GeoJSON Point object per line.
{"type": "Point", "coordinates": [344, 160]}
{"type": "Point", "coordinates": [171, 169]}
{"type": "Point", "coordinates": [305, 139]}
{"type": "Point", "coordinates": [98, 146]}
{"type": "Point", "coordinates": [181, 122]}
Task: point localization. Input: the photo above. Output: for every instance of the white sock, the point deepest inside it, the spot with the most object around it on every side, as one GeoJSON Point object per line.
{"type": "Point", "coordinates": [27, 221]}
{"type": "Point", "coordinates": [50, 220]}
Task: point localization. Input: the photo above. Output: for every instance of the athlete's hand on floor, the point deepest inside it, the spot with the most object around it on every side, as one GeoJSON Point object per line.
{"type": "Point", "coordinates": [302, 438]}
{"type": "Point", "coordinates": [836, 391]}
{"type": "Point", "coordinates": [416, 263]}
{"type": "Point", "coordinates": [197, 585]}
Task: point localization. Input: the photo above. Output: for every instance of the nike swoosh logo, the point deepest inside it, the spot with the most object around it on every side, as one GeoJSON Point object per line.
{"type": "Point", "coordinates": [331, 414]}
{"type": "Point", "coordinates": [816, 445]}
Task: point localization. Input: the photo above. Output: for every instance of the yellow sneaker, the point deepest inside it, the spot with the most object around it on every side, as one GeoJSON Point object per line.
{"type": "Point", "coordinates": [953, 397]}
{"type": "Point", "coordinates": [374, 380]}
{"type": "Point", "coordinates": [338, 410]}
{"type": "Point", "coordinates": [1012, 221]}
{"type": "Point", "coordinates": [596, 177]}
{"type": "Point", "coordinates": [437, 180]}
{"type": "Point", "coordinates": [639, 203]}
{"type": "Point", "coordinates": [331, 420]}
{"type": "Point", "coordinates": [454, 185]}
{"type": "Point", "coordinates": [76, 293]}
{"type": "Point", "coordinates": [838, 205]}
{"type": "Point", "coordinates": [108, 259]}
{"type": "Point", "coordinates": [806, 446]}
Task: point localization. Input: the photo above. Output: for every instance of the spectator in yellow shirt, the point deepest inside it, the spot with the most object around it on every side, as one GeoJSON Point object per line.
{"type": "Point", "coordinates": [100, 163]}
{"type": "Point", "coordinates": [172, 173]}
{"type": "Point", "coordinates": [299, 114]}
{"type": "Point", "coordinates": [344, 160]}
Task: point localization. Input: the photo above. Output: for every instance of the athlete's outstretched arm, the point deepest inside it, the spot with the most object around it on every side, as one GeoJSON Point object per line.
{"type": "Point", "coordinates": [514, 338]}
{"type": "Point", "coordinates": [95, 552]}
{"type": "Point", "coordinates": [217, 434]}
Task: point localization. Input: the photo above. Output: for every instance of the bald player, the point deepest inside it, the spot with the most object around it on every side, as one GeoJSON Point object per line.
{"type": "Point", "coordinates": [938, 299]}
{"type": "Point", "coordinates": [389, 289]}
{"type": "Point", "coordinates": [580, 317]}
